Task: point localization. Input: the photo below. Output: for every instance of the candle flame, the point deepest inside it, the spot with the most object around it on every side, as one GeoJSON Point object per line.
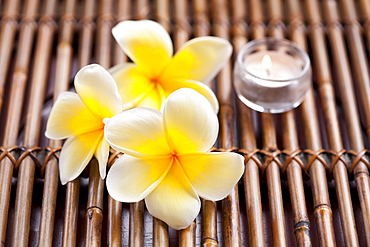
{"type": "Point", "coordinates": [266, 62]}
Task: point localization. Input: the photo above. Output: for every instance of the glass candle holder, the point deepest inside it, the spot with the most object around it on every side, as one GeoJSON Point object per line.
{"type": "Point", "coordinates": [272, 75]}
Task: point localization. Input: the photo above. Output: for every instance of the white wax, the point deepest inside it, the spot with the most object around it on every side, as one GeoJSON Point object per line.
{"type": "Point", "coordinates": [283, 67]}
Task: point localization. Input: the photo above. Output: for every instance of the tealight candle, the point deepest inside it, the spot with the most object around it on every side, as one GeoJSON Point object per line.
{"type": "Point", "coordinates": [272, 75]}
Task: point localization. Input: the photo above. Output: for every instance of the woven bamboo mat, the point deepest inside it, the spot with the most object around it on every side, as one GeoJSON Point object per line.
{"type": "Point", "coordinates": [306, 180]}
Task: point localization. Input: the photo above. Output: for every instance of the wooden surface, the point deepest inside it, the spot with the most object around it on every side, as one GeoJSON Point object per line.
{"type": "Point", "coordinates": [306, 181]}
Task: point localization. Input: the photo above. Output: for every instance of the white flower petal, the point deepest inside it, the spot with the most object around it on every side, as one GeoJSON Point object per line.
{"type": "Point", "coordinates": [174, 201]}
{"type": "Point", "coordinates": [147, 44]}
{"type": "Point", "coordinates": [101, 154]}
{"type": "Point", "coordinates": [199, 59]}
{"type": "Point", "coordinates": [144, 33]}
{"type": "Point", "coordinates": [197, 86]}
{"type": "Point", "coordinates": [69, 117]}
{"type": "Point", "coordinates": [213, 175]}
{"type": "Point", "coordinates": [190, 122]}
{"type": "Point", "coordinates": [76, 153]}
{"type": "Point", "coordinates": [137, 132]}
{"type": "Point", "coordinates": [98, 91]}
{"type": "Point", "coordinates": [131, 179]}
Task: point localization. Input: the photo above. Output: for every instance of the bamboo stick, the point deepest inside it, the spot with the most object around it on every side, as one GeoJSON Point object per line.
{"type": "Point", "coordinates": [94, 211]}
{"type": "Point", "coordinates": [360, 66]}
{"type": "Point", "coordinates": [114, 222]}
{"type": "Point", "coordinates": [365, 9]}
{"type": "Point", "coordinates": [87, 33]}
{"type": "Point", "coordinates": [323, 212]}
{"type": "Point", "coordinates": [70, 225]}
{"type": "Point", "coordinates": [14, 110]}
{"type": "Point", "coordinates": [326, 92]}
{"type": "Point", "coordinates": [251, 178]}
{"type": "Point", "coordinates": [257, 25]}
{"type": "Point", "coordinates": [209, 223]}
{"type": "Point", "coordinates": [182, 26]}
{"type": "Point", "coordinates": [136, 236]}
{"type": "Point", "coordinates": [225, 94]}
{"type": "Point", "coordinates": [105, 23]}
{"type": "Point", "coordinates": [294, 170]}
{"type": "Point", "coordinates": [296, 188]}
{"type": "Point", "coordinates": [142, 9]}
{"type": "Point", "coordinates": [123, 13]}
{"type": "Point", "coordinates": [160, 233]}
{"type": "Point", "coordinates": [209, 208]}
{"type": "Point", "coordinates": [322, 207]}
{"type": "Point", "coordinates": [8, 30]}
{"type": "Point", "coordinates": [278, 226]}
{"type": "Point", "coordinates": [163, 14]}
{"type": "Point", "coordinates": [160, 229]}
{"type": "Point", "coordinates": [201, 25]}
{"type": "Point", "coordinates": [64, 60]}
{"type": "Point", "coordinates": [347, 94]}
{"type": "Point", "coordinates": [181, 35]}
{"type": "Point", "coordinates": [251, 181]}
{"type": "Point", "coordinates": [187, 236]}
{"type": "Point", "coordinates": [115, 207]}
{"type": "Point", "coordinates": [26, 171]}
{"type": "Point", "coordinates": [239, 28]}
{"type": "Point", "coordinates": [290, 143]}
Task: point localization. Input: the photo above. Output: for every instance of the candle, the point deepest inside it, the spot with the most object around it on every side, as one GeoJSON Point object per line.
{"type": "Point", "coordinates": [272, 75]}
{"type": "Point", "coordinates": [272, 65]}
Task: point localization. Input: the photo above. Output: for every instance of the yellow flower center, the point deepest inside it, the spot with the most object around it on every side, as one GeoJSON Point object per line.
{"type": "Point", "coordinates": [175, 159]}
{"type": "Point", "coordinates": [159, 87]}
{"type": "Point", "coordinates": [155, 81]}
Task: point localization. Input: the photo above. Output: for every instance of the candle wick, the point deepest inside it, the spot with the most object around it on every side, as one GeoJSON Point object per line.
{"type": "Point", "coordinates": [268, 72]}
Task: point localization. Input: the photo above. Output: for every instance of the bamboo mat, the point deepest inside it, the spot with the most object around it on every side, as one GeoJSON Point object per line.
{"type": "Point", "coordinates": [306, 180]}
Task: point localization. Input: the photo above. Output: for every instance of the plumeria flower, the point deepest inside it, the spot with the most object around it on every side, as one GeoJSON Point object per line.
{"type": "Point", "coordinates": [155, 72]}
{"type": "Point", "coordinates": [79, 117]}
{"type": "Point", "coordinates": [165, 160]}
